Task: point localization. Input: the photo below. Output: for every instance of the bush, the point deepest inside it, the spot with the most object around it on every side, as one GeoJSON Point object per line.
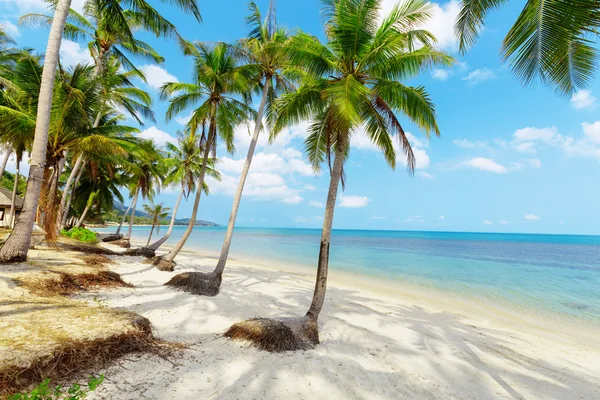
{"type": "Point", "coordinates": [81, 234]}
{"type": "Point", "coordinates": [75, 392]}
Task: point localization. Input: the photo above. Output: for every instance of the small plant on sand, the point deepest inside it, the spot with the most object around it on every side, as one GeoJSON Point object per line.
{"type": "Point", "coordinates": [75, 392]}
{"type": "Point", "coordinates": [81, 234]}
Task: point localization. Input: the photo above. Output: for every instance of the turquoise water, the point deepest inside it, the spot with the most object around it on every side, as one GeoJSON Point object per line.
{"type": "Point", "coordinates": [550, 273]}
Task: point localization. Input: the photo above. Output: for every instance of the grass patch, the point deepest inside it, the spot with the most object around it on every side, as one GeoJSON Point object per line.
{"type": "Point", "coordinates": [81, 234]}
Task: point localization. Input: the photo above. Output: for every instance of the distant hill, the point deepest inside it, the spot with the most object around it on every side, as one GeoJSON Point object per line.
{"type": "Point", "coordinates": [183, 221]}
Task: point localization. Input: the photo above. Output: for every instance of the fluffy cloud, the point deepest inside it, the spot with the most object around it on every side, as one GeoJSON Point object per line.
{"type": "Point", "coordinates": [531, 217]}
{"type": "Point", "coordinates": [361, 141]}
{"type": "Point", "coordinates": [425, 175]}
{"type": "Point", "coordinates": [471, 144]}
{"type": "Point", "coordinates": [157, 76]}
{"type": "Point", "coordinates": [10, 28]}
{"type": "Point", "coordinates": [353, 201]}
{"type": "Point", "coordinates": [159, 137]}
{"type": "Point", "coordinates": [487, 222]}
{"type": "Point", "coordinates": [485, 164]}
{"type": "Point", "coordinates": [588, 145]}
{"type": "Point", "coordinates": [583, 99]}
{"type": "Point", "coordinates": [415, 219]}
{"type": "Point", "coordinates": [479, 75]}
{"type": "Point", "coordinates": [183, 119]}
{"type": "Point", "coordinates": [72, 53]}
{"type": "Point", "coordinates": [316, 204]}
{"type": "Point", "coordinates": [259, 186]}
{"type": "Point", "coordinates": [441, 74]}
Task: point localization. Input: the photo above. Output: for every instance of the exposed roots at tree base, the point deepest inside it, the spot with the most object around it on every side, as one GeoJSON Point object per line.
{"type": "Point", "coordinates": [74, 357]}
{"type": "Point", "coordinates": [124, 243]}
{"type": "Point", "coordinates": [140, 251]}
{"type": "Point", "coordinates": [111, 238]}
{"type": "Point", "coordinates": [97, 260]}
{"type": "Point", "coordinates": [196, 283]}
{"type": "Point", "coordinates": [162, 264]}
{"type": "Point", "coordinates": [70, 284]}
{"type": "Point", "coordinates": [277, 335]}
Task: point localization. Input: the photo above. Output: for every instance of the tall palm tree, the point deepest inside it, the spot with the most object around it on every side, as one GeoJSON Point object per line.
{"type": "Point", "coordinates": [16, 246]}
{"type": "Point", "coordinates": [353, 84]}
{"type": "Point", "coordinates": [184, 164]}
{"type": "Point", "coordinates": [553, 41]}
{"type": "Point", "coordinates": [219, 82]}
{"type": "Point", "coordinates": [157, 212]}
{"type": "Point", "coordinates": [264, 50]}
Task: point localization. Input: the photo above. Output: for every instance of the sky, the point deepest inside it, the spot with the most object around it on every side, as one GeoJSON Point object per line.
{"type": "Point", "coordinates": [509, 158]}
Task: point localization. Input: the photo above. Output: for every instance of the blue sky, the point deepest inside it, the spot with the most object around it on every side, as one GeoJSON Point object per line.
{"type": "Point", "coordinates": [509, 159]}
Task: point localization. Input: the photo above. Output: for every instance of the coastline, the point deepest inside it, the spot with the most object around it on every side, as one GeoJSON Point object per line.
{"type": "Point", "coordinates": [377, 341]}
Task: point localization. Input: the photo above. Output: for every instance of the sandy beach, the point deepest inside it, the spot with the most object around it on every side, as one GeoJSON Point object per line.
{"type": "Point", "coordinates": [377, 342]}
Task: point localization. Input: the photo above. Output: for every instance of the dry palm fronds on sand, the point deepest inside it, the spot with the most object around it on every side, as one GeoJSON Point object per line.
{"type": "Point", "coordinates": [276, 335]}
{"type": "Point", "coordinates": [196, 283]}
{"type": "Point", "coordinates": [96, 260]}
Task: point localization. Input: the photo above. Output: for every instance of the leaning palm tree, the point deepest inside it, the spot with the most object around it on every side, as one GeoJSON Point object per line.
{"type": "Point", "coordinates": [219, 84]}
{"type": "Point", "coordinates": [157, 212]}
{"type": "Point", "coordinates": [184, 164]}
{"type": "Point", "coordinates": [16, 246]}
{"type": "Point", "coordinates": [353, 84]}
{"type": "Point", "coordinates": [264, 50]}
{"type": "Point", "coordinates": [553, 41]}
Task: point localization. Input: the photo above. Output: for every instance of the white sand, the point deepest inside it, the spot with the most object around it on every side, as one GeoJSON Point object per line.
{"type": "Point", "coordinates": [377, 342]}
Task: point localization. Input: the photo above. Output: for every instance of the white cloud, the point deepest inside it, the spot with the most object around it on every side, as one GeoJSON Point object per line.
{"type": "Point", "coordinates": [259, 186]}
{"type": "Point", "coordinates": [486, 222]}
{"type": "Point", "coordinates": [441, 74]}
{"type": "Point", "coordinates": [531, 217]}
{"type": "Point", "coordinates": [530, 134]}
{"type": "Point", "coordinates": [26, 5]}
{"type": "Point", "coordinates": [534, 163]}
{"type": "Point", "coordinates": [425, 175]}
{"type": "Point", "coordinates": [361, 141]}
{"type": "Point", "coordinates": [503, 222]}
{"type": "Point", "coordinates": [316, 204]}
{"type": "Point", "coordinates": [157, 76]}
{"type": "Point", "coordinates": [159, 137]}
{"type": "Point", "coordinates": [588, 145]}
{"type": "Point", "coordinates": [583, 99]}
{"type": "Point", "coordinates": [183, 119]}
{"type": "Point", "coordinates": [309, 188]}
{"type": "Point", "coordinates": [415, 219]}
{"type": "Point", "coordinates": [72, 53]}
{"type": "Point", "coordinates": [479, 75]}
{"type": "Point", "coordinates": [591, 131]}
{"type": "Point", "coordinates": [442, 217]}
{"type": "Point", "coordinates": [485, 164]}
{"type": "Point", "coordinates": [353, 201]}
{"type": "Point", "coordinates": [10, 28]}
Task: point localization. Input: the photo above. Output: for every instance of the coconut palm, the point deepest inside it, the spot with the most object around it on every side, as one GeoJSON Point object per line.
{"type": "Point", "coordinates": [184, 165]}
{"type": "Point", "coordinates": [218, 84]}
{"type": "Point", "coordinates": [157, 212]}
{"type": "Point", "coordinates": [553, 41]}
{"type": "Point", "coordinates": [353, 84]}
{"type": "Point", "coordinates": [263, 50]}
{"type": "Point", "coordinates": [17, 244]}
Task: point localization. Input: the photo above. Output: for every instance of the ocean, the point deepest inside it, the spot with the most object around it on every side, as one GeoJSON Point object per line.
{"type": "Point", "coordinates": [554, 274]}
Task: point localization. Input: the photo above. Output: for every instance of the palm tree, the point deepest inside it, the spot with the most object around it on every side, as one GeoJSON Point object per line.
{"type": "Point", "coordinates": [16, 246]}
{"type": "Point", "coordinates": [184, 164]}
{"type": "Point", "coordinates": [157, 212]}
{"type": "Point", "coordinates": [264, 50]}
{"type": "Point", "coordinates": [219, 82]}
{"type": "Point", "coordinates": [551, 41]}
{"type": "Point", "coordinates": [353, 83]}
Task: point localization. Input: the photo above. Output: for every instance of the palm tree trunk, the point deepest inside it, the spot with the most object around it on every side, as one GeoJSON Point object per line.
{"type": "Point", "coordinates": [124, 217]}
{"type": "Point", "coordinates": [16, 246]}
{"type": "Point", "coordinates": [62, 211]}
{"type": "Point", "coordinates": [133, 206]}
{"type": "Point", "coordinates": [150, 237]}
{"type": "Point", "coordinates": [4, 162]}
{"type": "Point", "coordinates": [71, 196]}
{"type": "Point", "coordinates": [322, 269]}
{"type": "Point", "coordinates": [51, 213]}
{"type": "Point", "coordinates": [240, 189]}
{"type": "Point", "coordinates": [84, 213]}
{"type": "Point", "coordinates": [158, 243]}
{"type": "Point", "coordinates": [177, 248]}
{"type": "Point", "coordinates": [14, 195]}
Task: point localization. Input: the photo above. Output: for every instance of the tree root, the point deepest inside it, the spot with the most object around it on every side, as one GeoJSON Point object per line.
{"type": "Point", "coordinates": [196, 283]}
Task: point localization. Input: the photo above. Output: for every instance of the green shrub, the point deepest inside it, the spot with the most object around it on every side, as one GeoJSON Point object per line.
{"type": "Point", "coordinates": [75, 392]}
{"type": "Point", "coordinates": [81, 234]}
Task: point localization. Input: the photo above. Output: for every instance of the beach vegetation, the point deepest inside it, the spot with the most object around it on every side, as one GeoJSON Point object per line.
{"type": "Point", "coordinates": [81, 234]}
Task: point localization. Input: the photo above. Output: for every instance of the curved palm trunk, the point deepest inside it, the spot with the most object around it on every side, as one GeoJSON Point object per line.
{"type": "Point", "coordinates": [177, 248]}
{"type": "Point", "coordinates": [16, 246]}
{"type": "Point", "coordinates": [4, 162]}
{"type": "Point", "coordinates": [51, 212]}
{"type": "Point", "coordinates": [124, 217]}
{"type": "Point", "coordinates": [133, 206]}
{"type": "Point", "coordinates": [240, 189]}
{"type": "Point", "coordinates": [322, 269]}
{"type": "Point", "coordinates": [64, 203]}
{"type": "Point", "coordinates": [158, 243]}
{"type": "Point", "coordinates": [14, 195]}
{"type": "Point", "coordinates": [151, 232]}
{"type": "Point", "coordinates": [84, 213]}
